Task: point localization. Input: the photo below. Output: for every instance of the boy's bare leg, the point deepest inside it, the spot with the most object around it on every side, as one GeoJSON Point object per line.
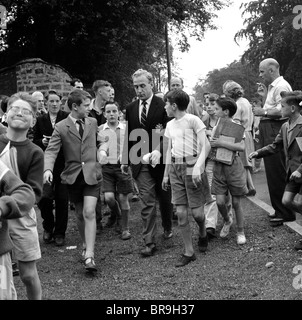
{"type": "Point", "coordinates": [238, 212]}
{"type": "Point", "coordinates": [185, 229]}
{"type": "Point", "coordinates": [222, 206]}
{"type": "Point", "coordinates": [89, 224]}
{"type": "Point", "coordinates": [292, 201]}
{"type": "Point", "coordinates": [199, 217]}
{"type": "Point", "coordinates": [80, 221]}
{"type": "Point", "coordinates": [30, 278]}
{"type": "Point", "coordinates": [125, 208]}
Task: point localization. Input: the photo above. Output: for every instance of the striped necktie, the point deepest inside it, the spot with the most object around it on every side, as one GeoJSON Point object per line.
{"type": "Point", "coordinates": [144, 114]}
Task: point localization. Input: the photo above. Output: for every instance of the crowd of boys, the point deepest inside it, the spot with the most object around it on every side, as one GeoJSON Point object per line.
{"type": "Point", "coordinates": [166, 147]}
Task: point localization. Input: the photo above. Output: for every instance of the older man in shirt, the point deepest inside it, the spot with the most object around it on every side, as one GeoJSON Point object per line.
{"type": "Point", "coordinates": [270, 124]}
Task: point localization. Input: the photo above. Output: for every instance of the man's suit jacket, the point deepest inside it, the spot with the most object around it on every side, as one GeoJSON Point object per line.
{"type": "Point", "coordinates": [293, 154]}
{"type": "Point", "coordinates": [80, 154]}
{"type": "Point", "coordinates": [156, 118]}
{"type": "Point", "coordinates": [42, 127]}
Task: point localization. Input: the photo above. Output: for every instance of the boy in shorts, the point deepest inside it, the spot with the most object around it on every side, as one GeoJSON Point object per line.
{"type": "Point", "coordinates": [77, 134]}
{"type": "Point", "coordinates": [111, 136]}
{"type": "Point", "coordinates": [26, 159]}
{"type": "Point", "coordinates": [188, 148]}
{"type": "Point", "coordinates": [17, 198]}
{"type": "Point", "coordinates": [289, 139]}
{"type": "Point", "coordinates": [229, 178]}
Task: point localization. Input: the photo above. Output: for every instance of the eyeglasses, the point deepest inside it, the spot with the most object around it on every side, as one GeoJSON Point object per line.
{"type": "Point", "coordinates": [24, 111]}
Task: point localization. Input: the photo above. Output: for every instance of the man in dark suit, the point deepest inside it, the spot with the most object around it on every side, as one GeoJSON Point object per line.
{"type": "Point", "coordinates": [54, 225]}
{"type": "Point", "coordinates": [146, 118]}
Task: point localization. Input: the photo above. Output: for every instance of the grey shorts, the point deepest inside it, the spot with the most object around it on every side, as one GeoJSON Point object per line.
{"type": "Point", "coordinates": [25, 237]}
{"type": "Point", "coordinates": [229, 178]}
{"type": "Point", "coordinates": [184, 192]}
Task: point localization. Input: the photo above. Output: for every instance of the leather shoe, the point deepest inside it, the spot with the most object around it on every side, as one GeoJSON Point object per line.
{"type": "Point", "coordinates": [276, 222]}
{"type": "Point", "coordinates": [47, 236]}
{"type": "Point", "coordinates": [211, 233]}
{"type": "Point", "coordinates": [184, 260]}
{"type": "Point", "coordinates": [148, 251]}
{"type": "Point", "coordinates": [90, 265]}
{"type": "Point", "coordinates": [298, 245]}
{"type": "Point", "coordinates": [135, 198]}
{"type": "Point", "coordinates": [59, 241]}
{"type": "Point", "coordinates": [168, 234]}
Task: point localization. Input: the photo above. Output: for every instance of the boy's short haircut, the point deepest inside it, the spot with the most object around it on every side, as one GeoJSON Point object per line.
{"type": "Point", "coordinates": [227, 104]}
{"type": "Point", "coordinates": [213, 96]}
{"type": "Point", "coordinates": [25, 97]}
{"type": "Point", "coordinates": [100, 83]}
{"type": "Point", "coordinates": [292, 97]}
{"type": "Point", "coordinates": [179, 97]}
{"type": "Point", "coordinates": [114, 102]}
{"type": "Point", "coordinates": [52, 92]}
{"type": "Point", "coordinates": [77, 96]}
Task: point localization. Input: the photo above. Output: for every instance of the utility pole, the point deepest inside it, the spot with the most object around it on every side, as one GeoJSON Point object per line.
{"type": "Point", "coordinates": [168, 54]}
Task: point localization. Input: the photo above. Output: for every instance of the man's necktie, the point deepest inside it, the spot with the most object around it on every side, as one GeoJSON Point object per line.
{"type": "Point", "coordinates": [81, 130]}
{"type": "Point", "coordinates": [144, 114]}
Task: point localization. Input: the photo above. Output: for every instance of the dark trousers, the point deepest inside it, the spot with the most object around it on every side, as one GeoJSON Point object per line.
{"type": "Point", "coordinates": [150, 190]}
{"type": "Point", "coordinates": [275, 168]}
{"type": "Point", "coordinates": [54, 222]}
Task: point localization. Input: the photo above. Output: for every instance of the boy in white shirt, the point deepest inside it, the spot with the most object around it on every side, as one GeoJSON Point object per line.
{"type": "Point", "coordinates": [188, 149]}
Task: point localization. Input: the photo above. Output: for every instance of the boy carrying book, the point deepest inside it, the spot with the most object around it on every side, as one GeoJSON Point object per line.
{"type": "Point", "coordinates": [228, 171]}
{"type": "Point", "coordinates": [289, 139]}
{"type": "Point", "coordinates": [188, 148]}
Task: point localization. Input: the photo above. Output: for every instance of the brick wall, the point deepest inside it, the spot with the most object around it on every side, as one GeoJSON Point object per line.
{"type": "Point", "coordinates": [34, 75]}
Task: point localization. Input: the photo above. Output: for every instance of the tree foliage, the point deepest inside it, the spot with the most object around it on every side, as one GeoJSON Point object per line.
{"type": "Point", "coordinates": [102, 39]}
{"type": "Point", "coordinates": [236, 71]}
{"type": "Point", "coordinates": [270, 30]}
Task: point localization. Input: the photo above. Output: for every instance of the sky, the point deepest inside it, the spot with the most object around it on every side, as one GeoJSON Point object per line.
{"type": "Point", "coordinates": [215, 51]}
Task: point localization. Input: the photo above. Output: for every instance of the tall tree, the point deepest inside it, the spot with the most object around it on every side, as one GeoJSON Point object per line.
{"type": "Point", "coordinates": [105, 39]}
{"type": "Point", "coordinates": [236, 71]}
{"type": "Point", "coordinates": [271, 31]}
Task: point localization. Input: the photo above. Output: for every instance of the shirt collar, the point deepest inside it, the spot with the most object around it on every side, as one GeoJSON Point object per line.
{"type": "Point", "coordinates": [74, 119]}
{"type": "Point", "coordinates": [276, 81]}
{"type": "Point", "coordinates": [95, 108]}
{"type": "Point", "coordinates": [148, 101]}
{"type": "Point", "coordinates": [292, 125]}
{"type": "Point", "coordinates": [119, 126]}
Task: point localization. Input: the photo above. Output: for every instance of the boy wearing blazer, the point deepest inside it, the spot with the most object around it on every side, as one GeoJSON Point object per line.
{"type": "Point", "coordinates": [77, 135]}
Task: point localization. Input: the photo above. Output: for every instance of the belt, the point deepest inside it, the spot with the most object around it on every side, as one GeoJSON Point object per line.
{"type": "Point", "coordinates": [273, 120]}
{"type": "Point", "coordinates": [184, 159]}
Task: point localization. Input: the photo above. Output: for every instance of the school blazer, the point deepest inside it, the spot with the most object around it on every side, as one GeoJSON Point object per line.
{"type": "Point", "coordinates": [293, 154]}
{"type": "Point", "coordinates": [80, 154]}
{"type": "Point", "coordinates": [42, 127]}
{"type": "Point", "coordinates": [156, 117]}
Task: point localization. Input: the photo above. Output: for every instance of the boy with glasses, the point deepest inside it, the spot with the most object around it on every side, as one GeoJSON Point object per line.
{"type": "Point", "coordinates": [29, 158]}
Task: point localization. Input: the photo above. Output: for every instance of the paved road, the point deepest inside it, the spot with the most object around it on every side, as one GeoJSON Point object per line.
{"type": "Point", "coordinates": [262, 196]}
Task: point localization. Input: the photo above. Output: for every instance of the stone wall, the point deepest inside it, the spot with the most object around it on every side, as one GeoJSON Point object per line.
{"type": "Point", "coordinates": [34, 75]}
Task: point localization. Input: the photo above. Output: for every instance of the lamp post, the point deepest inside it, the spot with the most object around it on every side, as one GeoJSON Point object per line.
{"type": "Point", "coordinates": [168, 54]}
